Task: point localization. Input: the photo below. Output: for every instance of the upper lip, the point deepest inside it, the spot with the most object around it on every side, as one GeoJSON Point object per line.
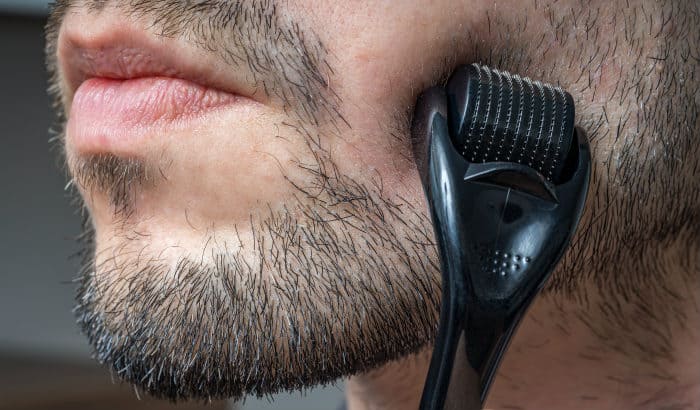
{"type": "Point", "coordinates": [122, 51]}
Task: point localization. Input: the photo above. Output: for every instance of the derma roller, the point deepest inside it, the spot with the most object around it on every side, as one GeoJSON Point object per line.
{"type": "Point", "coordinates": [505, 173]}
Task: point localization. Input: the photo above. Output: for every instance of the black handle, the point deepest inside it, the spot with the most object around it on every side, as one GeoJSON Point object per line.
{"type": "Point", "coordinates": [501, 227]}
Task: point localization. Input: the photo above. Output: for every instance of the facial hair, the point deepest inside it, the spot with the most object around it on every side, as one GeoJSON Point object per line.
{"type": "Point", "coordinates": [343, 278]}
{"type": "Point", "coordinates": [340, 279]}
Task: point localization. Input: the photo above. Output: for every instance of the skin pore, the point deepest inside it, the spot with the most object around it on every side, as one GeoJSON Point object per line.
{"type": "Point", "coordinates": [310, 256]}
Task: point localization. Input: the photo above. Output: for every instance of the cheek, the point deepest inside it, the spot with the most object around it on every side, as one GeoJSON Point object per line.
{"type": "Point", "coordinates": [382, 57]}
{"type": "Point", "coordinates": [381, 159]}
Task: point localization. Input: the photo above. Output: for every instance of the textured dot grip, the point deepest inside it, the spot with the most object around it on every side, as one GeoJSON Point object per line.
{"type": "Point", "coordinates": [497, 116]}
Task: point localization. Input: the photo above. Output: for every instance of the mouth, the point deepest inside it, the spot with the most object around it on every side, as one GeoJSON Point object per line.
{"type": "Point", "coordinates": [123, 89]}
{"type": "Point", "coordinates": [114, 115]}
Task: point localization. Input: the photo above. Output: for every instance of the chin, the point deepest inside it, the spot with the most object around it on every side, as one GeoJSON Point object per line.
{"type": "Point", "coordinates": [291, 300]}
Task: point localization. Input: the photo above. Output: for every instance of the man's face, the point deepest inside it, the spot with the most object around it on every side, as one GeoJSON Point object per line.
{"type": "Point", "coordinates": [255, 218]}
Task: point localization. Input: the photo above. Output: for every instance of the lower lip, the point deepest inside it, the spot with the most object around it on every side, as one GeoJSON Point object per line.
{"type": "Point", "coordinates": [118, 115]}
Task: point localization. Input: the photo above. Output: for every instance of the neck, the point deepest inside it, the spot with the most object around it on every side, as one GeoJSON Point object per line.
{"type": "Point", "coordinates": [397, 385]}
{"type": "Point", "coordinates": [570, 355]}
{"type": "Point", "coordinates": [557, 361]}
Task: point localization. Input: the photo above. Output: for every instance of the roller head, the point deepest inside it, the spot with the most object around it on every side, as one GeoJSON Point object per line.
{"type": "Point", "coordinates": [497, 116]}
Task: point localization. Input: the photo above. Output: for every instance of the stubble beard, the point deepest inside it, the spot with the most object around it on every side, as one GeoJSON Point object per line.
{"type": "Point", "coordinates": [337, 280]}
{"type": "Point", "coordinates": [333, 283]}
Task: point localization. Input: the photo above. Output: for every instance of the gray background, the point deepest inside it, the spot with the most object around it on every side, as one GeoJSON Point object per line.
{"type": "Point", "coordinates": [37, 223]}
{"type": "Point", "coordinates": [31, 7]}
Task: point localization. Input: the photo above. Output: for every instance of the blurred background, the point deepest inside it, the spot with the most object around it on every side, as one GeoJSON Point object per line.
{"type": "Point", "coordinates": [45, 362]}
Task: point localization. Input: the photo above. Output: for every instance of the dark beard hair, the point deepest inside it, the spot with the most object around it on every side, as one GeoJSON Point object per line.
{"type": "Point", "coordinates": [349, 303]}
{"type": "Point", "coordinates": [355, 278]}
{"type": "Point", "coordinates": [218, 327]}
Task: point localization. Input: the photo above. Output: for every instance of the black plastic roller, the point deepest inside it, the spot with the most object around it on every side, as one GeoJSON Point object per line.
{"type": "Point", "coordinates": [498, 116]}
